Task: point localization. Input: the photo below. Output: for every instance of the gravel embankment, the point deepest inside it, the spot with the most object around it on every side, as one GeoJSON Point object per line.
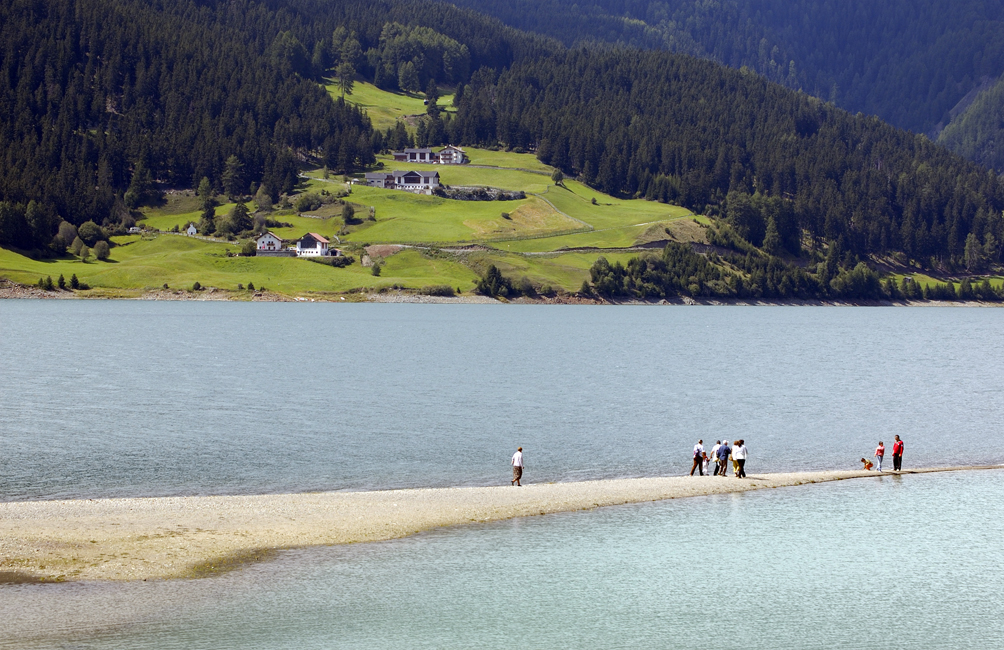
{"type": "Point", "coordinates": [132, 539]}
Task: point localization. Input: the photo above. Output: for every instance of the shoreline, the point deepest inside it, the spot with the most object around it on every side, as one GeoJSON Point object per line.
{"type": "Point", "coordinates": [13, 291]}
{"type": "Point", "coordinates": [188, 537]}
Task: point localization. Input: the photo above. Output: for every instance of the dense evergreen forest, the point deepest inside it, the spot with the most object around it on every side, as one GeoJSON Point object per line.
{"type": "Point", "coordinates": [105, 102]}
{"type": "Point", "coordinates": [907, 61]}
{"type": "Point", "coordinates": [101, 98]}
{"type": "Point", "coordinates": [720, 141]}
{"type": "Point", "coordinates": [978, 132]}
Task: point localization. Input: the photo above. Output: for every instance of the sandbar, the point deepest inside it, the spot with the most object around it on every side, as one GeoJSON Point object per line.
{"type": "Point", "coordinates": [185, 537]}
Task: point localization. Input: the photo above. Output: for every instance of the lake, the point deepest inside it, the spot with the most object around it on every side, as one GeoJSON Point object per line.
{"type": "Point", "coordinates": [130, 398]}
{"type": "Point", "coordinates": [909, 562]}
{"type": "Point", "coordinates": [127, 398]}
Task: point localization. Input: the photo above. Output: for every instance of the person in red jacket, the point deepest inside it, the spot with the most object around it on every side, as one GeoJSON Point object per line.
{"type": "Point", "coordinates": [897, 455]}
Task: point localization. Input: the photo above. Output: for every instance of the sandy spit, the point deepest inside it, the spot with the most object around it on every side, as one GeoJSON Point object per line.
{"type": "Point", "coordinates": [174, 537]}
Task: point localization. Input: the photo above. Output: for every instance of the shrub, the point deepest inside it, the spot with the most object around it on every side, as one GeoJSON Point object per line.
{"type": "Point", "coordinates": [375, 270]}
{"type": "Point", "coordinates": [74, 282]}
{"type": "Point", "coordinates": [196, 287]}
{"type": "Point", "coordinates": [263, 199]}
{"type": "Point", "coordinates": [494, 284]}
{"type": "Point", "coordinates": [85, 253]}
{"type": "Point", "coordinates": [47, 285]}
{"type": "Point", "coordinates": [77, 244]}
{"type": "Point", "coordinates": [67, 233]}
{"type": "Point", "coordinates": [250, 286]}
{"type": "Point", "coordinates": [249, 249]}
{"type": "Point", "coordinates": [438, 290]}
{"type": "Point", "coordinates": [91, 232]}
{"type": "Point", "coordinates": [307, 201]}
{"type": "Point", "coordinates": [61, 283]}
{"type": "Point", "coordinates": [102, 250]}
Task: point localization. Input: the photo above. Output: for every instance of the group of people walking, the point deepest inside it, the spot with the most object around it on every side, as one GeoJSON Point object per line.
{"type": "Point", "coordinates": [721, 454]}
{"type": "Point", "coordinates": [897, 456]}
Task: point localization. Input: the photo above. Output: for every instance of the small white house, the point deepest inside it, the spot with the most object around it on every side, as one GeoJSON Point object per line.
{"type": "Point", "coordinates": [312, 245]}
{"type": "Point", "coordinates": [269, 242]}
{"type": "Point", "coordinates": [451, 155]}
{"type": "Point", "coordinates": [191, 230]}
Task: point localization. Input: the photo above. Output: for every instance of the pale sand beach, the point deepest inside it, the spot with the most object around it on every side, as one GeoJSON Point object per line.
{"type": "Point", "coordinates": [178, 537]}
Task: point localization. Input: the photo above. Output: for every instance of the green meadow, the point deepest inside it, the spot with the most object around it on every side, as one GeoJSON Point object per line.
{"type": "Point", "coordinates": [552, 237]}
{"type": "Point", "coordinates": [179, 261]}
{"type": "Point", "coordinates": [383, 107]}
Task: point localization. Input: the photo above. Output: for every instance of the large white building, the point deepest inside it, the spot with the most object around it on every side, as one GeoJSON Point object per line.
{"type": "Point", "coordinates": [420, 182]}
{"type": "Point", "coordinates": [449, 155]}
{"type": "Point", "coordinates": [312, 245]}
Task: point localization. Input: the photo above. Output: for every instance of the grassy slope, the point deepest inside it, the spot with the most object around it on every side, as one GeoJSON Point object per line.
{"type": "Point", "coordinates": [179, 261]}
{"type": "Point", "coordinates": [383, 107]}
{"type": "Point", "coordinates": [401, 217]}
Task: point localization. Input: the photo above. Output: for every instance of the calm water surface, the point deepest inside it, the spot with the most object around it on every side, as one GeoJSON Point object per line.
{"type": "Point", "coordinates": [901, 562]}
{"type": "Point", "coordinates": [127, 398]}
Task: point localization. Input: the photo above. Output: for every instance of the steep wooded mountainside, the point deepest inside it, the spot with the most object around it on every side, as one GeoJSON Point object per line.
{"type": "Point", "coordinates": [671, 127]}
{"type": "Point", "coordinates": [907, 61]}
{"type": "Point", "coordinates": [104, 101]}
{"type": "Point", "coordinates": [100, 95]}
{"type": "Point", "coordinates": [978, 132]}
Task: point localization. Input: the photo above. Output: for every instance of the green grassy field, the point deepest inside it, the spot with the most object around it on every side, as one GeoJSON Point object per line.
{"type": "Point", "coordinates": [179, 261]}
{"type": "Point", "coordinates": [385, 108]}
{"type": "Point", "coordinates": [529, 241]}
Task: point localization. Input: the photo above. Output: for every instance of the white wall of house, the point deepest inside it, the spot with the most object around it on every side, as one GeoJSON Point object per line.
{"type": "Point", "coordinates": [269, 242]}
{"type": "Point", "coordinates": [320, 250]}
{"type": "Point", "coordinates": [191, 230]}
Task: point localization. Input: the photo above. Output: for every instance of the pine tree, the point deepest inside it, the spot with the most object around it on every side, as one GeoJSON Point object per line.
{"type": "Point", "coordinates": [772, 239]}
{"type": "Point", "coordinates": [233, 178]}
{"type": "Point", "coordinates": [205, 193]}
{"type": "Point", "coordinates": [407, 78]}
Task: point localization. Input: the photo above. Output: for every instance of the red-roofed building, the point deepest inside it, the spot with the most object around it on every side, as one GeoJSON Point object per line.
{"type": "Point", "coordinates": [311, 245]}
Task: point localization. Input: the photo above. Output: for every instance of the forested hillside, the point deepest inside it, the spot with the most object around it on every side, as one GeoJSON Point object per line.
{"type": "Point", "coordinates": [978, 132]}
{"type": "Point", "coordinates": [103, 103]}
{"type": "Point", "coordinates": [98, 97]}
{"type": "Point", "coordinates": [907, 61]}
{"type": "Point", "coordinates": [675, 128]}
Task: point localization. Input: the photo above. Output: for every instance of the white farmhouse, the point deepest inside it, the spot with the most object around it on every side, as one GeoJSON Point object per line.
{"type": "Point", "coordinates": [312, 245]}
{"type": "Point", "coordinates": [451, 155]}
{"type": "Point", "coordinates": [269, 242]}
{"type": "Point", "coordinates": [421, 182]}
{"type": "Point", "coordinates": [191, 230]}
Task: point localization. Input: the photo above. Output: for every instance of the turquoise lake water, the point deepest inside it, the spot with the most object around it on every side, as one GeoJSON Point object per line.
{"type": "Point", "coordinates": [902, 562]}
{"type": "Point", "coordinates": [134, 399]}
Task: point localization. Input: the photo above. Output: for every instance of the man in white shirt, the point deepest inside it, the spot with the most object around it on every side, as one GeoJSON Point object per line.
{"type": "Point", "coordinates": [698, 458]}
{"type": "Point", "coordinates": [714, 455]}
{"type": "Point", "coordinates": [517, 467]}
